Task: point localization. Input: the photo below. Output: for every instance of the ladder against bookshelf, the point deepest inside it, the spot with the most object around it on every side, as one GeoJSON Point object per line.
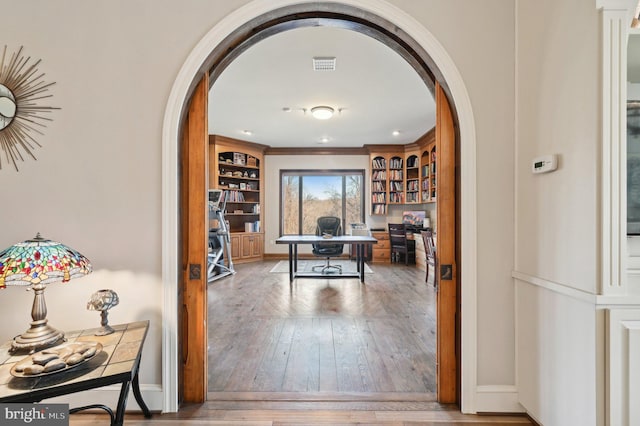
{"type": "Point", "coordinates": [237, 170]}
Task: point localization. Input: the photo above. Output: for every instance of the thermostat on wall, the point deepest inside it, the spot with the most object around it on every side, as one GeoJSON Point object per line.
{"type": "Point", "coordinates": [545, 164]}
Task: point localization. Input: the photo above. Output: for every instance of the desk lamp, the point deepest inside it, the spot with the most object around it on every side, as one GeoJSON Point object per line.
{"type": "Point", "coordinates": [36, 263]}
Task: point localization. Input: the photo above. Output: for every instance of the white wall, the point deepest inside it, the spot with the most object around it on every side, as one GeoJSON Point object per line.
{"type": "Point", "coordinates": [97, 182]}
{"type": "Point", "coordinates": [556, 363]}
{"type": "Point", "coordinates": [557, 224]}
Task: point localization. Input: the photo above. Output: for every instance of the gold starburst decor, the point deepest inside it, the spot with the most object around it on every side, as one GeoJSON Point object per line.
{"type": "Point", "coordinates": [22, 88]}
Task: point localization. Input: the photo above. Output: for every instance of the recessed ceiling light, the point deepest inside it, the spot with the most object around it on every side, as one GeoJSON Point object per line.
{"type": "Point", "coordinates": [325, 139]}
{"type": "Point", "coordinates": [247, 132]}
{"type": "Point", "coordinates": [396, 133]}
{"type": "Point", "coordinates": [322, 112]}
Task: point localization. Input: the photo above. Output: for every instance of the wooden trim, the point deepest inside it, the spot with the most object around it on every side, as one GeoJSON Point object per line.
{"type": "Point", "coordinates": [316, 151]}
{"type": "Point", "coordinates": [223, 140]}
{"type": "Point", "coordinates": [194, 245]}
{"type": "Point", "coordinates": [446, 250]}
{"type": "Point", "coordinates": [221, 51]}
{"type": "Point", "coordinates": [426, 139]}
{"type": "Point", "coordinates": [392, 149]}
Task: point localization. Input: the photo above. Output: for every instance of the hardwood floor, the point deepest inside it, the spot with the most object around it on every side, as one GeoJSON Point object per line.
{"type": "Point", "coordinates": [322, 336]}
{"type": "Point", "coordinates": [304, 418]}
{"type": "Point", "coordinates": [319, 352]}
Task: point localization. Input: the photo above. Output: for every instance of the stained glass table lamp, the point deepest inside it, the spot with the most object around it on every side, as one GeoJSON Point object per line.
{"type": "Point", "coordinates": [36, 263]}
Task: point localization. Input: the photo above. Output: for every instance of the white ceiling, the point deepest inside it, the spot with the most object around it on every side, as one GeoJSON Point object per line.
{"type": "Point", "coordinates": [377, 90]}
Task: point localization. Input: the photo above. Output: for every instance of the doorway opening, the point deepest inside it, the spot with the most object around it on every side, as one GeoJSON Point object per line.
{"type": "Point", "coordinates": [352, 18]}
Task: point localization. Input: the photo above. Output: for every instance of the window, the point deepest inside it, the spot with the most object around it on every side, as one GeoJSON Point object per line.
{"type": "Point", "coordinates": [306, 195]}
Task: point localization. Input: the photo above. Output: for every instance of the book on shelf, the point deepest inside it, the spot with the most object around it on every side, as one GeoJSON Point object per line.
{"type": "Point", "coordinates": [232, 196]}
{"type": "Point", "coordinates": [395, 163]}
{"type": "Point", "coordinates": [379, 163]}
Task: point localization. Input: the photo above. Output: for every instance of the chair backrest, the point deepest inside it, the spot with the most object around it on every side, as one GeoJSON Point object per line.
{"type": "Point", "coordinates": [328, 225]}
{"type": "Point", "coordinates": [429, 245]}
{"type": "Point", "coordinates": [397, 235]}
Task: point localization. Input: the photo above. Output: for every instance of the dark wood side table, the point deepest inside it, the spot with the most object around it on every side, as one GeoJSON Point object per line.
{"type": "Point", "coordinates": [118, 363]}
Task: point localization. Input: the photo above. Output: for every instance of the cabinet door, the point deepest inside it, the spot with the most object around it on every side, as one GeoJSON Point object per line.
{"type": "Point", "coordinates": [235, 246]}
{"type": "Point", "coordinates": [247, 242]}
{"type": "Point", "coordinates": [256, 246]}
{"type": "Point", "coordinates": [251, 246]}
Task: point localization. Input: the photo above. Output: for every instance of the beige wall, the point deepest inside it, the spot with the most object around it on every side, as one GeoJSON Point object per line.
{"type": "Point", "coordinates": [558, 113]}
{"type": "Point", "coordinates": [557, 224]}
{"type": "Point", "coordinates": [97, 182]}
{"type": "Point", "coordinates": [96, 185]}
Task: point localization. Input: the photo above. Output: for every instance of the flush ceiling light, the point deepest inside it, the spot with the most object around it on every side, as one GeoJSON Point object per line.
{"type": "Point", "coordinates": [322, 112]}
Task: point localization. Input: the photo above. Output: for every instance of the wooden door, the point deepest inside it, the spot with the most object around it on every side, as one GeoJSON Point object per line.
{"type": "Point", "coordinates": [194, 239]}
{"type": "Point", "coordinates": [446, 251]}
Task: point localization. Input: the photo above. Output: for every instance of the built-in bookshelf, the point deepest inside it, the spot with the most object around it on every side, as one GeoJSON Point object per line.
{"type": "Point", "coordinates": [396, 180]}
{"type": "Point", "coordinates": [237, 170]}
{"type": "Point", "coordinates": [379, 185]}
{"type": "Point", "coordinates": [428, 162]}
{"type": "Point", "coordinates": [403, 174]}
{"type": "Point", "coordinates": [412, 172]}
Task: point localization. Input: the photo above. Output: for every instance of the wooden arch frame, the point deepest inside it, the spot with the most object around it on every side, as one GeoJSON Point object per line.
{"type": "Point", "coordinates": [368, 12]}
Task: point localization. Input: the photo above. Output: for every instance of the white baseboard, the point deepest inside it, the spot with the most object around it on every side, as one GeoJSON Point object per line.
{"type": "Point", "coordinates": [108, 395]}
{"type": "Point", "coordinates": [498, 399]}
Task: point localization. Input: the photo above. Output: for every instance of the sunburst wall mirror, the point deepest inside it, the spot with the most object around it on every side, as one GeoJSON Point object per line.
{"type": "Point", "coordinates": [22, 90]}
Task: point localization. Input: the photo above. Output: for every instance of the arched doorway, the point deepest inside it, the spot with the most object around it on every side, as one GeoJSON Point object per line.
{"type": "Point", "coordinates": [257, 20]}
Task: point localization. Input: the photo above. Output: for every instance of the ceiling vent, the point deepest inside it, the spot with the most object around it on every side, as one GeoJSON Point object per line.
{"type": "Point", "coordinates": [324, 63]}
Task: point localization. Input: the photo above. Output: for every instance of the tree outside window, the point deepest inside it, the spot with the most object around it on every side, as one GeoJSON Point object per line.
{"type": "Point", "coordinates": [308, 194]}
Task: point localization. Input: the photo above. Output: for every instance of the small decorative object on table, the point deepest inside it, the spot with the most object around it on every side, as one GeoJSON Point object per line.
{"type": "Point", "coordinates": [103, 300]}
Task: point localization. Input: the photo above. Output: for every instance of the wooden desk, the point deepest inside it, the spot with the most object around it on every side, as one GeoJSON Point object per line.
{"type": "Point", "coordinates": [293, 240]}
{"type": "Point", "coordinates": [118, 362]}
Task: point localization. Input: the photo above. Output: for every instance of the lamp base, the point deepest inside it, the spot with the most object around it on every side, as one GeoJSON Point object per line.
{"type": "Point", "coordinates": [39, 336]}
{"type": "Point", "coordinates": [104, 330]}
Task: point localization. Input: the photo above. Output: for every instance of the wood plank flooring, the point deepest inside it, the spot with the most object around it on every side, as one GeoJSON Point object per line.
{"type": "Point", "coordinates": [319, 352]}
{"type": "Point", "coordinates": [322, 335]}
{"type": "Point", "coordinates": [304, 418]}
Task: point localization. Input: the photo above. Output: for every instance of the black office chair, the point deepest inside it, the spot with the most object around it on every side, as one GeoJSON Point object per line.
{"type": "Point", "coordinates": [328, 225]}
{"type": "Point", "coordinates": [399, 244]}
